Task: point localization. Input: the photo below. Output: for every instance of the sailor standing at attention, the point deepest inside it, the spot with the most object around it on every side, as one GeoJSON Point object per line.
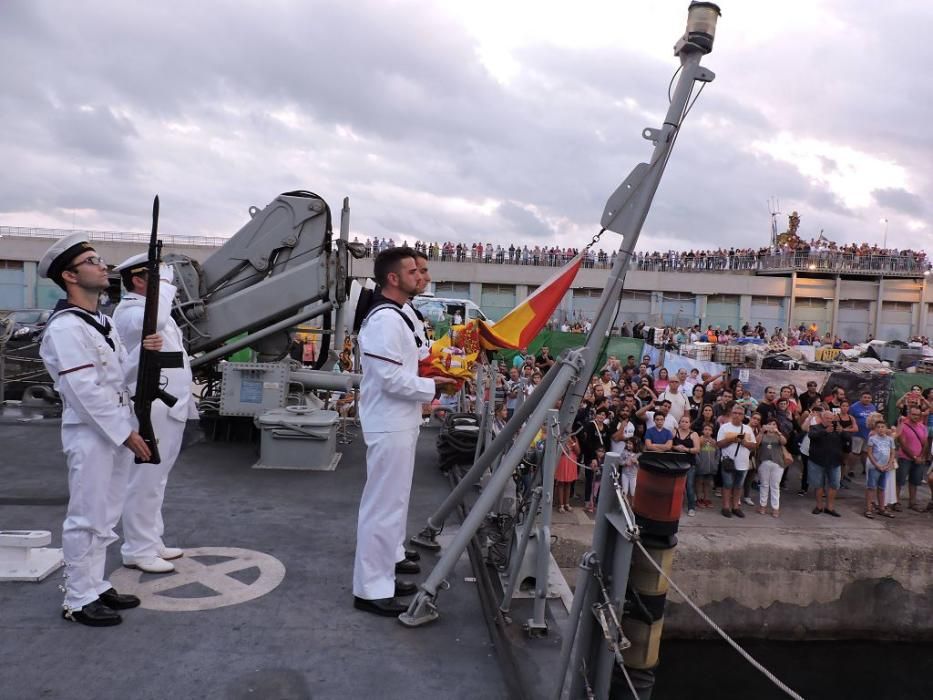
{"type": "Point", "coordinates": [87, 362]}
{"type": "Point", "coordinates": [407, 559]}
{"type": "Point", "coordinates": [143, 527]}
{"type": "Point", "coordinates": [391, 394]}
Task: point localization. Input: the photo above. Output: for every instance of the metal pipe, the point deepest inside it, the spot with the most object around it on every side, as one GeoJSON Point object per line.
{"type": "Point", "coordinates": [625, 213]}
{"type": "Point", "coordinates": [501, 441]}
{"type": "Point", "coordinates": [329, 381]}
{"type": "Point", "coordinates": [581, 592]}
{"type": "Point", "coordinates": [601, 534]}
{"type": "Point", "coordinates": [518, 556]}
{"type": "Point", "coordinates": [543, 534]}
{"type": "Point", "coordinates": [416, 611]}
{"type": "Point", "coordinates": [340, 322]}
{"type": "Point", "coordinates": [240, 343]}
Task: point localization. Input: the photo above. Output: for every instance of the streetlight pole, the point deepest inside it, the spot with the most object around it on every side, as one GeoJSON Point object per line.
{"type": "Point", "coordinates": [884, 244]}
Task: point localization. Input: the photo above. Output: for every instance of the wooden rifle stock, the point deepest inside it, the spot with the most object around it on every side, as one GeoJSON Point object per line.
{"type": "Point", "coordinates": [151, 363]}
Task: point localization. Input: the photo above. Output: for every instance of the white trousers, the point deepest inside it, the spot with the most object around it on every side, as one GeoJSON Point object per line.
{"type": "Point", "coordinates": [380, 531]}
{"type": "Point", "coordinates": [769, 483]}
{"type": "Point", "coordinates": [142, 510]}
{"type": "Point", "coordinates": [97, 474]}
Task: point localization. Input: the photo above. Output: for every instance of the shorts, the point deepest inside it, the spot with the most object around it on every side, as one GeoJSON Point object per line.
{"type": "Point", "coordinates": [875, 479]}
{"type": "Point", "coordinates": [824, 477]}
{"type": "Point", "coordinates": [909, 470]}
{"type": "Point", "coordinates": [734, 479]}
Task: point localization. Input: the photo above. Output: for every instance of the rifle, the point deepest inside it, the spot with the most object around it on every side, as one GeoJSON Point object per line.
{"type": "Point", "coordinates": [151, 363]}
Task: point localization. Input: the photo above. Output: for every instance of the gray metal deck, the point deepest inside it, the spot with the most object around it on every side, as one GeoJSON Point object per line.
{"type": "Point", "coordinates": [301, 640]}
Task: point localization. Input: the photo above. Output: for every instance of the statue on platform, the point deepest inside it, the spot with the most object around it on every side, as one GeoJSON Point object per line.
{"type": "Point", "coordinates": [790, 237]}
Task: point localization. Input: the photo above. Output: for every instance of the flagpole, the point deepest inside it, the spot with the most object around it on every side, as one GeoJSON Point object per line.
{"type": "Point", "coordinates": [625, 214]}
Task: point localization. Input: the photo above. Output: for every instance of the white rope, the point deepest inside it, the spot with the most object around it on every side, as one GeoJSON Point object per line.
{"type": "Point", "coordinates": [706, 618]}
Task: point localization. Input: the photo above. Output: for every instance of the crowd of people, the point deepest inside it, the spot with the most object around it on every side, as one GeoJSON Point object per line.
{"type": "Point", "coordinates": [735, 443]}
{"type": "Point", "coordinates": [818, 254]}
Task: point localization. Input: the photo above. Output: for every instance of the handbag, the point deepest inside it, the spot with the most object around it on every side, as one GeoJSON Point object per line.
{"type": "Point", "coordinates": [788, 457]}
{"type": "Point", "coordinates": [728, 463]}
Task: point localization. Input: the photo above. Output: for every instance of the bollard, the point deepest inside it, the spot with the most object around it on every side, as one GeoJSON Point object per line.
{"type": "Point", "coordinates": [659, 495]}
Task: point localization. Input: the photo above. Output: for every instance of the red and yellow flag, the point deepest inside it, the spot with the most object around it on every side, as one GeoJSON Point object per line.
{"type": "Point", "coordinates": [518, 327]}
{"type": "Point", "coordinates": [455, 353]}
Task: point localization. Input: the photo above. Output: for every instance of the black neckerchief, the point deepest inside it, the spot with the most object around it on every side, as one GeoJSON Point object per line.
{"type": "Point", "coordinates": [90, 318]}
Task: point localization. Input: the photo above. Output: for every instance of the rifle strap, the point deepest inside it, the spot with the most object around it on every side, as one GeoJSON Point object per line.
{"type": "Point", "coordinates": [98, 322]}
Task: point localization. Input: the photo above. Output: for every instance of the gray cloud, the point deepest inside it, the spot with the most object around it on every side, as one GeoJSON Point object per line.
{"type": "Point", "coordinates": [218, 107]}
{"type": "Point", "coordinates": [900, 200]}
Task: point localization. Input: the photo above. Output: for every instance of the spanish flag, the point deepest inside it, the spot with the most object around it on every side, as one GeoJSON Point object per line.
{"type": "Point", "coordinates": [518, 327]}
{"type": "Point", "coordinates": [455, 353]}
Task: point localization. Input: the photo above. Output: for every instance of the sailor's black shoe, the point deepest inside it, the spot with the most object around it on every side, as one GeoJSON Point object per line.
{"type": "Point", "coordinates": [405, 588]}
{"type": "Point", "coordinates": [407, 566]}
{"type": "Point", "coordinates": [412, 555]}
{"type": "Point", "coordinates": [94, 614]}
{"type": "Point", "coordinates": [386, 607]}
{"type": "Point", "coordinates": [118, 601]}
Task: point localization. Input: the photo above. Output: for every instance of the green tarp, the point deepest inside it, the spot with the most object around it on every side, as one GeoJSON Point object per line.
{"type": "Point", "coordinates": [557, 342]}
{"type": "Point", "coordinates": [901, 385]}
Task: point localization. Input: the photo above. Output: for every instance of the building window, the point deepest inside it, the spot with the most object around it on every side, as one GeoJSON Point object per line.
{"type": "Point", "coordinates": [896, 306]}
{"type": "Point", "coordinates": [498, 289]}
{"type": "Point", "coordinates": [462, 287]}
{"type": "Point", "coordinates": [810, 303]}
{"type": "Point", "coordinates": [722, 299]}
{"type": "Point", "coordinates": [767, 301]}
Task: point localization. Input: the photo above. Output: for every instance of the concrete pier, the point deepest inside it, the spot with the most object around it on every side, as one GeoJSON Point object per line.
{"type": "Point", "coordinates": [801, 576]}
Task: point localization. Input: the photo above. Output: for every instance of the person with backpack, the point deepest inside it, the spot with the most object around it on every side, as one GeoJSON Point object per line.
{"type": "Point", "coordinates": [391, 394]}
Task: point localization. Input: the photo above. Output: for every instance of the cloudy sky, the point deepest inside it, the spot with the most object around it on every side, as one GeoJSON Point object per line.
{"type": "Point", "coordinates": [492, 120]}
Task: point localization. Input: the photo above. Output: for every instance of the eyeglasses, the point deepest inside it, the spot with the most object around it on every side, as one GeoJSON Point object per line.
{"type": "Point", "coordinates": [94, 261]}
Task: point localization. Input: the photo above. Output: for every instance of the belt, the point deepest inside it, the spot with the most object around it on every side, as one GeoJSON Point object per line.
{"type": "Point", "coordinates": [121, 398]}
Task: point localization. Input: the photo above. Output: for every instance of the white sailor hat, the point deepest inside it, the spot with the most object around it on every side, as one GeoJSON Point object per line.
{"type": "Point", "coordinates": [62, 252]}
{"type": "Point", "coordinates": [136, 263]}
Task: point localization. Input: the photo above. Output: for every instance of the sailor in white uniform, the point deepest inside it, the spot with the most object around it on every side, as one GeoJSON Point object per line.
{"type": "Point", "coordinates": [391, 394]}
{"type": "Point", "coordinates": [407, 559]}
{"type": "Point", "coordinates": [82, 352]}
{"type": "Point", "coordinates": [143, 527]}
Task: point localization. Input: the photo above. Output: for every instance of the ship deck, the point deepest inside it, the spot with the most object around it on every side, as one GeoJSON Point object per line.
{"type": "Point", "coordinates": [302, 639]}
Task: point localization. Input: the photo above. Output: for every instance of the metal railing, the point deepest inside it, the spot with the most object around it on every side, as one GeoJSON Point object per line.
{"type": "Point", "coordinates": [113, 236]}
{"type": "Point", "coordinates": [813, 261]}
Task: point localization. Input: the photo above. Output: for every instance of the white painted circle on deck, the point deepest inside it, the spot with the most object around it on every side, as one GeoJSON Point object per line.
{"type": "Point", "coordinates": [156, 592]}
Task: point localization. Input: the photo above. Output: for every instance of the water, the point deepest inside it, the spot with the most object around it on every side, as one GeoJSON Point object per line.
{"type": "Point", "coordinates": [824, 669]}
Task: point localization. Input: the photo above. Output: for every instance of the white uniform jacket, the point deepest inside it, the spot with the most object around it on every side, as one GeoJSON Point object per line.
{"type": "Point", "coordinates": [391, 392]}
{"type": "Point", "coordinates": [90, 375]}
{"type": "Point", "coordinates": [128, 318]}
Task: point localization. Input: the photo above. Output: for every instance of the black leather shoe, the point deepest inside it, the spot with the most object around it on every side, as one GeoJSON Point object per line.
{"type": "Point", "coordinates": [118, 601]}
{"type": "Point", "coordinates": [412, 555]}
{"type": "Point", "coordinates": [405, 588]}
{"type": "Point", "coordinates": [386, 607]}
{"type": "Point", "coordinates": [94, 614]}
{"type": "Point", "coordinates": [407, 566]}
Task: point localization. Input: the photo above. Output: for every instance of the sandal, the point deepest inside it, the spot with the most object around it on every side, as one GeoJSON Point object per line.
{"type": "Point", "coordinates": [917, 509]}
{"type": "Point", "coordinates": [897, 507]}
{"type": "Point", "coordinates": [817, 510]}
{"type": "Point", "coordinates": [869, 515]}
{"type": "Point", "coordinates": [886, 513]}
{"type": "Point", "coordinates": [776, 514]}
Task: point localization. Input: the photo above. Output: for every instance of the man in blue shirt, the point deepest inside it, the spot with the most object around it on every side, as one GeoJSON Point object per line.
{"type": "Point", "coordinates": [860, 411]}
{"type": "Point", "coordinates": [658, 438]}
